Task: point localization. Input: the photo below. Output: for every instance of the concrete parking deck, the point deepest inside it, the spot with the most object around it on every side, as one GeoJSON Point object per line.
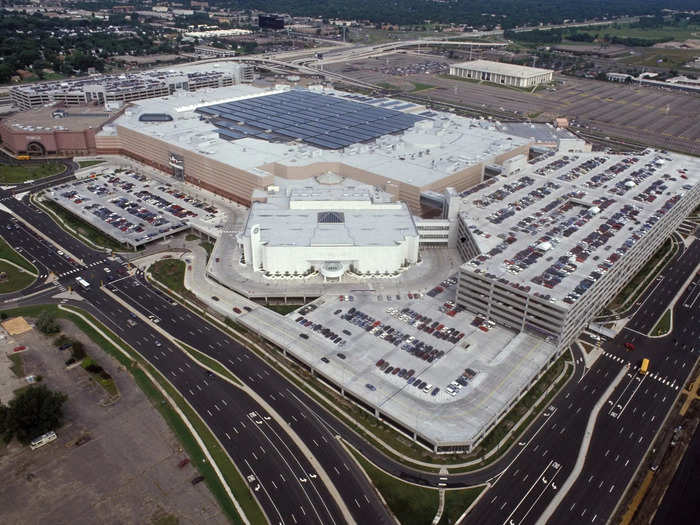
{"type": "Point", "coordinates": [505, 363]}
{"type": "Point", "coordinates": [140, 209]}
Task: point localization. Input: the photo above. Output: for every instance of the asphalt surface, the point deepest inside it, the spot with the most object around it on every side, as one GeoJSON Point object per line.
{"type": "Point", "coordinates": [681, 500]}
{"type": "Point", "coordinates": [524, 480]}
{"type": "Point", "coordinates": [288, 487]}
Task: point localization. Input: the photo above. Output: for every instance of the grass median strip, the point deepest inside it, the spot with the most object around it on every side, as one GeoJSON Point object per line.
{"type": "Point", "coordinates": [87, 163]}
{"type": "Point", "coordinates": [411, 504]}
{"type": "Point", "coordinates": [377, 431]}
{"type": "Point", "coordinates": [136, 366]}
{"type": "Point", "coordinates": [664, 325]}
{"type": "Point", "coordinates": [6, 252]}
{"type": "Point", "coordinates": [79, 226]}
{"type": "Point", "coordinates": [636, 286]}
{"type": "Point", "coordinates": [210, 362]}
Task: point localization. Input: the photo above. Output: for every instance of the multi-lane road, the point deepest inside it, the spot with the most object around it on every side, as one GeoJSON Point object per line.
{"type": "Point", "coordinates": [287, 482]}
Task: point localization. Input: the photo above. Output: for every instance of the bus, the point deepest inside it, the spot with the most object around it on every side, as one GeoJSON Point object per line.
{"type": "Point", "coordinates": [645, 366]}
{"type": "Point", "coordinates": [42, 440]}
{"type": "Point", "coordinates": [82, 282]}
{"type": "Point", "coordinates": [23, 157]}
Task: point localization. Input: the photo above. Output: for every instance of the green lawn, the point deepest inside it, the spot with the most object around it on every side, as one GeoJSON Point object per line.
{"type": "Point", "coordinates": [283, 309]}
{"type": "Point", "coordinates": [20, 174]}
{"type": "Point", "coordinates": [6, 252]}
{"type": "Point", "coordinates": [17, 365]}
{"type": "Point", "coordinates": [88, 163]}
{"type": "Point", "coordinates": [14, 279]}
{"type": "Point", "coordinates": [136, 366]}
{"type": "Point", "coordinates": [456, 502]}
{"type": "Point", "coordinates": [208, 247]}
{"type": "Point", "coordinates": [419, 86]}
{"type": "Point", "coordinates": [659, 57]}
{"type": "Point", "coordinates": [677, 33]}
{"type": "Point", "coordinates": [412, 505]}
{"type": "Point", "coordinates": [87, 230]}
{"type": "Point", "coordinates": [170, 273]}
{"type": "Point", "coordinates": [191, 237]}
{"type": "Point", "coordinates": [664, 324]}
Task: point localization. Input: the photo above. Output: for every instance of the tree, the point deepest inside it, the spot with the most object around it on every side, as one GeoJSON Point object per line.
{"type": "Point", "coordinates": [78, 352]}
{"type": "Point", "coordinates": [33, 412]}
{"type": "Point", "coordinates": [46, 323]}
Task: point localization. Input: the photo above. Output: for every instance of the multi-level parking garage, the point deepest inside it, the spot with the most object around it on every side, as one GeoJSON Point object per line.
{"type": "Point", "coordinates": [104, 89]}
{"type": "Point", "coordinates": [548, 248]}
{"type": "Point", "coordinates": [134, 209]}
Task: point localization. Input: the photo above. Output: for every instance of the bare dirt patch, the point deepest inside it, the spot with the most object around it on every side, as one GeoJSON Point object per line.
{"type": "Point", "coordinates": [110, 464]}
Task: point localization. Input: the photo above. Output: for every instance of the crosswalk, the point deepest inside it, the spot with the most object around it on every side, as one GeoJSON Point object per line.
{"type": "Point", "coordinates": [81, 268]}
{"type": "Point", "coordinates": [616, 358]}
{"type": "Point", "coordinates": [664, 380]}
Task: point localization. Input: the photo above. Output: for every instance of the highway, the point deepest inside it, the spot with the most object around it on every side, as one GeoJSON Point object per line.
{"type": "Point", "coordinates": [290, 489]}
{"type": "Point", "coordinates": [525, 480]}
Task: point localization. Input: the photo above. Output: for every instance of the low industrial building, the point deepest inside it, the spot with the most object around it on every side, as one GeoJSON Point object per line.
{"type": "Point", "coordinates": [548, 248]}
{"type": "Point", "coordinates": [330, 226]}
{"type": "Point", "coordinates": [120, 89]}
{"type": "Point", "coordinates": [501, 73]}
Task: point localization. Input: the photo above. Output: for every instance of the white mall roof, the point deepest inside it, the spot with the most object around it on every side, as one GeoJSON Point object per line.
{"type": "Point", "coordinates": [431, 150]}
{"type": "Point", "coordinates": [349, 214]}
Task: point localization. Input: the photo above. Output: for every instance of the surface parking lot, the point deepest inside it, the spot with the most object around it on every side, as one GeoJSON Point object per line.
{"type": "Point", "coordinates": [134, 209]}
{"type": "Point", "coordinates": [656, 116]}
{"type": "Point", "coordinates": [429, 366]}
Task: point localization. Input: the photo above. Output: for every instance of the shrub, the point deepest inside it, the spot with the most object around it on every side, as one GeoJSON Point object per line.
{"type": "Point", "coordinates": [94, 368]}
{"type": "Point", "coordinates": [61, 340]}
{"type": "Point", "coordinates": [46, 323]}
{"type": "Point", "coordinates": [78, 351]}
{"type": "Point", "coordinates": [70, 361]}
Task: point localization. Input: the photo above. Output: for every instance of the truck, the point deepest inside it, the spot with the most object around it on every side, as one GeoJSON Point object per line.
{"type": "Point", "coordinates": [82, 282]}
{"type": "Point", "coordinates": [644, 368]}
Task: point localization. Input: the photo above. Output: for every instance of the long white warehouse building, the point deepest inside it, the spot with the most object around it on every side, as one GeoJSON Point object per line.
{"type": "Point", "coordinates": [501, 73]}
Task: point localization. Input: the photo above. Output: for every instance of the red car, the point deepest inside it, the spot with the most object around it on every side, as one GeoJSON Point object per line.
{"type": "Point", "coordinates": [19, 348]}
{"type": "Point", "coordinates": [183, 463]}
{"type": "Point", "coordinates": [236, 309]}
{"type": "Point", "coordinates": [629, 346]}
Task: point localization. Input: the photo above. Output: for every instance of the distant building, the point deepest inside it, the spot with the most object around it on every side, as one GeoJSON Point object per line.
{"type": "Point", "coordinates": [103, 89]}
{"type": "Point", "coordinates": [216, 33]}
{"type": "Point", "coordinates": [270, 22]}
{"type": "Point", "coordinates": [53, 131]}
{"type": "Point", "coordinates": [502, 73]}
{"type": "Point", "coordinates": [213, 52]}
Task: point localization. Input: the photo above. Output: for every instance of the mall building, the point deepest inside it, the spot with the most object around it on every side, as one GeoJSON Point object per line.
{"type": "Point", "coordinates": [328, 225]}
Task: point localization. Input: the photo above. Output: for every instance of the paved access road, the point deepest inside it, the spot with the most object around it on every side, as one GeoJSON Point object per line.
{"type": "Point", "coordinates": [525, 479]}
{"type": "Point", "coordinates": [625, 427]}
{"type": "Point", "coordinates": [288, 487]}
